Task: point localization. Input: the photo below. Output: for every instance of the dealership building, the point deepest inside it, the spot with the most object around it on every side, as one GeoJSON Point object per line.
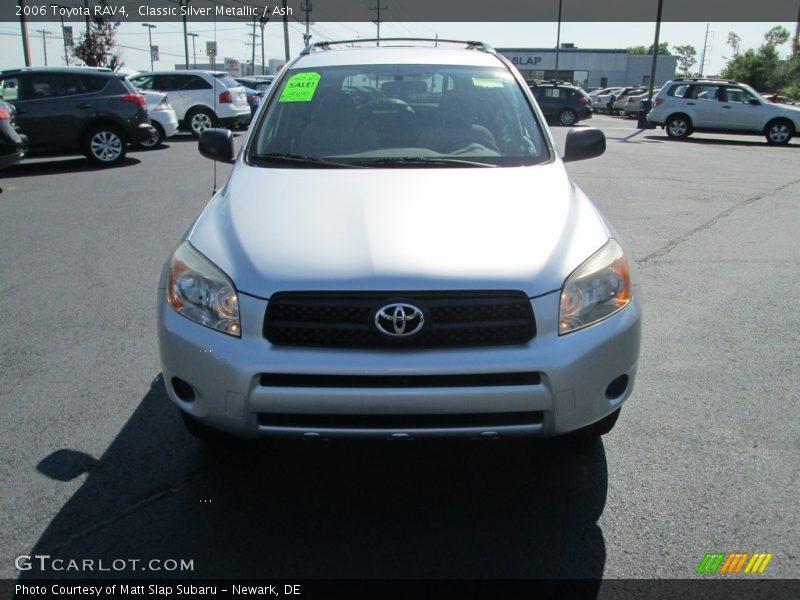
{"type": "Point", "coordinates": [591, 67]}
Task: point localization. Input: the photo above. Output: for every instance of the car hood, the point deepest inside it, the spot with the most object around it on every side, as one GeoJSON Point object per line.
{"type": "Point", "coordinates": [523, 228]}
{"type": "Point", "coordinates": [784, 109]}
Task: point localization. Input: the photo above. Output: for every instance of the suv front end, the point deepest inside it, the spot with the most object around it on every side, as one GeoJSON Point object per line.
{"type": "Point", "coordinates": [391, 291]}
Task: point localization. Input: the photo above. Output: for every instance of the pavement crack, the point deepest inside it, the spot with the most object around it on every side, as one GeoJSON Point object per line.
{"type": "Point", "coordinates": [143, 501]}
{"type": "Point", "coordinates": [675, 242]}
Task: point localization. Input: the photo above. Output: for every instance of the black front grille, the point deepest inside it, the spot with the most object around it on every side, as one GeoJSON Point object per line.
{"type": "Point", "coordinates": [346, 320]}
{"type": "Point", "coordinates": [407, 422]}
{"type": "Point", "coordinates": [399, 381]}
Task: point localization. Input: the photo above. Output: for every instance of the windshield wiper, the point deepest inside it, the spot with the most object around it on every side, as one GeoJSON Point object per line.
{"type": "Point", "coordinates": [421, 161]}
{"type": "Point", "coordinates": [301, 159]}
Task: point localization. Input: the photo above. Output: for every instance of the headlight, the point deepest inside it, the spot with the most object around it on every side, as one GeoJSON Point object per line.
{"type": "Point", "coordinates": [201, 292]}
{"type": "Point", "coordinates": [597, 289]}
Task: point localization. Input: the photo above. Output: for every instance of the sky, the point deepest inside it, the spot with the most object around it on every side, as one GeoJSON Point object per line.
{"type": "Point", "coordinates": [232, 38]}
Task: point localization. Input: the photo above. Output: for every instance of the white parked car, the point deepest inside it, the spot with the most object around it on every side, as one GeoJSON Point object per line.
{"type": "Point", "coordinates": [162, 117]}
{"type": "Point", "coordinates": [711, 105]}
{"type": "Point", "coordinates": [633, 103]}
{"type": "Point", "coordinates": [618, 106]}
{"type": "Point", "coordinates": [201, 99]}
{"type": "Point", "coordinates": [600, 103]}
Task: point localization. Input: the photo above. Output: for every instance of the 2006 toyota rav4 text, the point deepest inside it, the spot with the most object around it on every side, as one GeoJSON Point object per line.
{"type": "Point", "coordinates": [399, 252]}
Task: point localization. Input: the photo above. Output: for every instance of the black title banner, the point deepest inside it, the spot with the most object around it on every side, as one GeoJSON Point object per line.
{"type": "Point", "coordinates": [401, 10]}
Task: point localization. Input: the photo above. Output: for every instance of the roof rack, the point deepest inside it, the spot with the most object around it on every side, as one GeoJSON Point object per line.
{"type": "Point", "coordinates": [469, 44]}
{"type": "Point", "coordinates": [705, 79]}
{"type": "Point", "coordinates": [534, 82]}
{"type": "Point", "coordinates": [57, 68]}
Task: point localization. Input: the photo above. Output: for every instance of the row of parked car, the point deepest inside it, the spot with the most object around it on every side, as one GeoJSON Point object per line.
{"type": "Point", "coordinates": [100, 113]}
{"type": "Point", "coordinates": [626, 101]}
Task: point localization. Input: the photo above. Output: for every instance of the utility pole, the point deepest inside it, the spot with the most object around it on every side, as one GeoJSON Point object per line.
{"type": "Point", "coordinates": [23, 25]}
{"type": "Point", "coordinates": [285, 30]}
{"type": "Point", "coordinates": [306, 36]}
{"type": "Point", "coordinates": [88, 29]}
{"type": "Point", "coordinates": [643, 124]}
{"type": "Point", "coordinates": [44, 33]}
{"type": "Point", "coordinates": [377, 20]}
{"type": "Point", "coordinates": [185, 34]}
{"type": "Point", "coordinates": [558, 37]}
{"type": "Point", "coordinates": [703, 53]}
{"type": "Point", "coordinates": [263, 57]}
{"type": "Point", "coordinates": [194, 50]}
{"type": "Point", "coordinates": [253, 35]}
{"type": "Point", "coordinates": [797, 30]}
{"type": "Point", "coordinates": [150, 39]}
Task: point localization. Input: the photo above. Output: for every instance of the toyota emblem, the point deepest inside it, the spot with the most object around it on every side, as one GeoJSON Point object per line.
{"type": "Point", "coordinates": [399, 320]}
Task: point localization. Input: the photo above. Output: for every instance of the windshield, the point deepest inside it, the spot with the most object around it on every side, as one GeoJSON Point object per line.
{"type": "Point", "coordinates": [398, 115]}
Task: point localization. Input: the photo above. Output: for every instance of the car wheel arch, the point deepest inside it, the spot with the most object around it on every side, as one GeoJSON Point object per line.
{"type": "Point", "coordinates": [110, 123]}
{"type": "Point", "coordinates": [94, 135]}
{"type": "Point", "coordinates": [675, 116]}
{"type": "Point", "coordinates": [776, 121]}
{"type": "Point", "coordinates": [199, 108]}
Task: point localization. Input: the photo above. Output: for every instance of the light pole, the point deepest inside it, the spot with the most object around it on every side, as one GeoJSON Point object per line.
{"type": "Point", "coordinates": [558, 38]}
{"type": "Point", "coordinates": [150, 39]}
{"type": "Point", "coordinates": [194, 53]}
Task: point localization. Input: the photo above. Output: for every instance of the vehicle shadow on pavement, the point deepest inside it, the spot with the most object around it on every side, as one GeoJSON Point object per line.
{"type": "Point", "coordinates": [52, 166]}
{"type": "Point", "coordinates": [723, 142]}
{"type": "Point", "coordinates": [483, 509]}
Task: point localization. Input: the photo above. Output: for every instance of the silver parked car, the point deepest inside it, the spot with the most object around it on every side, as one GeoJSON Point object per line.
{"type": "Point", "coordinates": [414, 262]}
{"type": "Point", "coordinates": [684, 106]}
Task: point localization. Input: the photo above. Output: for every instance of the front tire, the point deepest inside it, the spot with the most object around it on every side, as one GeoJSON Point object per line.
{"type": "Point", "coordinates": [678, 127]}
{"type": "Point", "coordinates": [587, 435]}
{"type": "Point", "coordinates": [201, 119]}
{"type": "Point", "coordinates": [204, 433]}
{"type": "Point", "coordinates": [779, 132]}
{"type": "Point", "coordinates": [104, 145]}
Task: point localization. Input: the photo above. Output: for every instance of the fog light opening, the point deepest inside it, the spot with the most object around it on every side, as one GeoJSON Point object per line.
{"type": "Point", "coordinates": [617, 387]}
{"type": "Point", "coordinates": [183, 390]}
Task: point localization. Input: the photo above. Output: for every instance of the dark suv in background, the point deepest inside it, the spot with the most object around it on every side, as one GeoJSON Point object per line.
{"type": "Point", "coordinates": [560, 102]}
{"type": "Point", "coordinates": [92, 111]}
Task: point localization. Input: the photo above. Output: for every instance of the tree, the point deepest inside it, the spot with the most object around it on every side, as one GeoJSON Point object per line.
{"type": "Point", "coordinates": [97, 47]}
{"type": "Point", "coordinates": [663, 49]}
{"type": "Point", "coordinates": [734, 41]}
{"type": "Point", "coordinates": [777, 36]}
{"type": "Point", "coordinates": [687, 58]}
{"type": "Point", "coordinates": [763, 69]}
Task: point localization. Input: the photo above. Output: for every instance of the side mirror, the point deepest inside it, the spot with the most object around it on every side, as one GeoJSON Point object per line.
{"type": "Point", "coordinates": [754, 101]}
{"type": "Point", "coordinates": [217, 144]}
{"type": "Point", "coordinates": [584, 143]}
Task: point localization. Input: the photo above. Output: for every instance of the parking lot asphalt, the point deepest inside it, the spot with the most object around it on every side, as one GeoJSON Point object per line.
{"type": "Point", "coordinates": [97, 464]}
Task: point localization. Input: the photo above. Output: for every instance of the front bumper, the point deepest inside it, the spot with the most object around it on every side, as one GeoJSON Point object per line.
{"type": "Point", "coordinates": [168, 121]}
{"type": "Point", "coordinates": [248, 387]}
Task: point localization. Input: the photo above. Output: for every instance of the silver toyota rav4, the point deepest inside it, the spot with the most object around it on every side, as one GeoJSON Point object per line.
{"type": "Point", "coordinates": [399, 252]}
